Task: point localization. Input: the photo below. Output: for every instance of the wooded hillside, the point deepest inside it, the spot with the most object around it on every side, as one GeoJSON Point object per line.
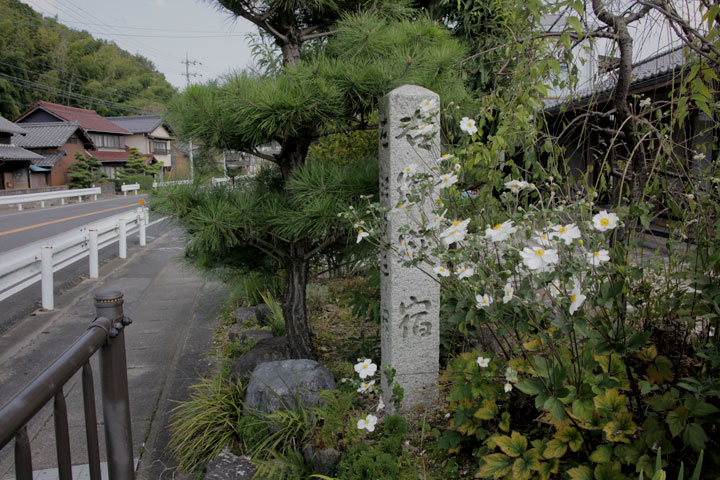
{"type": "Point", "coordinates": [41, 59]}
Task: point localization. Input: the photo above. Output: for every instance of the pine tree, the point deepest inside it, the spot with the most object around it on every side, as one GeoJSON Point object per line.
{"type": "Point", "coordinates": [136, 165]}
{"type": "Point", "coordinates": [85, 171]}
{"type": "Point", "coordinates": [338, 65]}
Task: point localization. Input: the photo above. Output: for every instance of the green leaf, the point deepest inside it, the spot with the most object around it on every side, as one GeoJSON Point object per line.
{"type": "Point", "coordinates": [496, 465]}
{"type": "Point", "coordinates": [611, 402]}
{"type": "Point", "coordinates": [699, 408]}
{"type": "Point", "coordinates": [504, 422]}
{"type": "Point", "coordinates": [575, 23]}
{"type": "Point", "coordinates": [583, 409]}
{"type": "Point", "coordinates": [546, 469]}
{"type": "Point", "coordinates": [531, 386]}
{"type": "Point", "coordinates": [661, 371]}
{"type": "Point", "coordinates": [638, 340]}
{"type": "Point", "coordinates": [608, 471]}
{"type": "Point", "coordinates": [602, 454]}
{"type": "Point", "coordinates": [450, 439]}
{"type": "Point", "coordinates": [694, 437]}
{"type": "Point", "coordinates": [571, 436]}
{"type": "Point", "coordinates": [555, 449]}
{"type": "Point", "coordinates": [660, 403]}
{"type": "Point", "coordinates": [580, 473]}
{"type": "Point", "coordinates": [488, 410]}
{"type": "Point", "coordinates": [521, 469]}
{"type": "Point", "coordinates": [514, 445]}
{"type": "Point", "coordinates": [676, 420]}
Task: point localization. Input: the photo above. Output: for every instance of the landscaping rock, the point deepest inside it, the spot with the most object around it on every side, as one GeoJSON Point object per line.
{"type": "Point", "coordinates": [246, 316]}
{"type": "Point", "coordinates": [266, 350]}
{"type": "Point", "coordinates": [263, 313]}
{"type": "Point", "coordinates": [237, 333]}
{"type": "Point", "coordinates": [228, 466]}
{"type": "Point", "coordinates": [323, 460]}
{"type": "Point", "coordinates": [276, 385]}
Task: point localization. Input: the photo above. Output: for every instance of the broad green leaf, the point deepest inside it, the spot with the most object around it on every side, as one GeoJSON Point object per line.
{"type": "Point", "coordinates": [496, 465]}
{"type": "Point", "coordinates": [580, 473]}
{"type": "Point", "coordinates": [571, 436]}
{"type": "Point", "coordinates": [504, 422]}
{"type": "Point", "coordinates": [694, 437]}
{"type": "Point", "coordinates": [611, 402]}
{"type": "Point", "coordinates": [546, 469]}
{"type": "Point", "coordinates": [699, 408]}
{"type": "Point", "coordinates": [576, 24]}
{"type": "Point", "coordinates": [660, 403]}
{"type": "Point", "coordinates": [583, 410]}
{"type": "Point", "coordinates": [602, 454]}
{"type": "Point", "coordinates": [676, 420]}
{"type": "Point", "coordinates": [555, 449]}
{"type": "Point", "coordinates": [515, 445]}
{"type": "Point", "coordinates": [608, 471]}
{"type": "Point", "coordinates": [521, 469]}
{"type": "Point", "coordinates": [488, 410]}
{"type": "Point", "coordinates": [661, 371]}
{"type": "Point", "coordinates": [621, 428]}
{"type": "Point", "coordinates": [531, 386]}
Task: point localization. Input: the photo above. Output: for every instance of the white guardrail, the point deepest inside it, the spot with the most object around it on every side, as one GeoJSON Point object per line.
{"type": "Point", "coordinates": [129, 188]}
{"type": "Point", "coordinates": [171, 183]}
{"type": "Point", "coordinates": [24, 266]}
{"type": "Point", "coordinates": [41, 197]}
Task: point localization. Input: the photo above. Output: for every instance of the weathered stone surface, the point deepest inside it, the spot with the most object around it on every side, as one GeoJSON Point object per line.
{"type": "Point", "coordinates": [266, 350]}
{"type": "Point", "coordinates": [227, 466]}
{"type": "Point", "coordinates": [246, 316]}
{"type": "Point", "coordinates": [263, 313]}
{"type": "Point", "coordinates": [275, 386]}
{"type": "Point", "coordinates": [323, 460]}
{"type": "Point", "coordinates": [410, 299]}
{"type": "Point", "coordinates": [237, 332]}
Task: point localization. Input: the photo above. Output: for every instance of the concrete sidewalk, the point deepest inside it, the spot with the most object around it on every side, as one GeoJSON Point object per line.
{"type": "Point", "coordinates": [174, 311]}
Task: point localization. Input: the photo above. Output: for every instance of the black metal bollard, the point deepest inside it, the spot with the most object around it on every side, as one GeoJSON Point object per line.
{"type": "Point", "coordinates": [115, 397]}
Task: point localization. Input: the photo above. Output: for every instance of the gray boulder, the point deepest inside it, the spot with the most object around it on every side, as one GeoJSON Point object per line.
{"type": "Point", "coordinates": [228, 466]}
{"type": "Point", "coordinates": [266, 350]}
{"type": "Point", "coordinates": [276, 385]}
{"type": "Point", "coordinates": [246, 316]}
{"type": "Point", "coordinates": [323, 460]}
{"type": "Point", "coordinates": [238, 333]}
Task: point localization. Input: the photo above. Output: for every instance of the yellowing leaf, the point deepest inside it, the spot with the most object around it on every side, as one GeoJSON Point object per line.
{"type": "Point", "coordinates": [611, 402]}
{"type": "Point", "coordinates": [602, 454]}
{"type": "Point", "coordinates": [661, 370]}
{"type": "Point", "coordinates": [496, 465]}
{"type": "Point", "coordinates": [488, 410]}
{"type": "Point", "coordinates": [647, 354]}
{"type": "Point", "coordinates": [533, 345]}
{"type": "Point", "coordinates": [514, 445]}
{"type": "Point", "coordinates": [555, 449]}
{"type": "Point", "coordinates": [580, 473]}
{"type": "Point", "coordinates": [570, 436]}
{"type": "Point", "coordinates": [546, 469]}
{"type": "Point", "coordinates": [621, 428]}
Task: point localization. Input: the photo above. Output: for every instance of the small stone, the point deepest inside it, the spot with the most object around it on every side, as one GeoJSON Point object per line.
{"type": "Point", "coordinates": [323, 460]}
{"type": "Point", "coordinates": [263, 313]}
{"type": "Point", "coordinates": [246, 316]}
{"type": "Point", "coordinates": [238, 333]}
{"type": "Point", "coordinates": [227, 465]}
{"type": "Point", "coordinates": [266, 350]}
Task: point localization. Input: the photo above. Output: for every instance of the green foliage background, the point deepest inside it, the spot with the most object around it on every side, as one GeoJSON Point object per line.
{"type": "Point", "coordinates": [62, 61]}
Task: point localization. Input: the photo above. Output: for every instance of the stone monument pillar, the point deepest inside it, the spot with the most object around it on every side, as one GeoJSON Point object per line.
{"type": "Point", "coordinates": [410, 299]}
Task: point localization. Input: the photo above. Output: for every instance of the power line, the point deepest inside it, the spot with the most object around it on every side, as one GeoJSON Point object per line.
{"type": "Point", "coordinates": [187, 73]}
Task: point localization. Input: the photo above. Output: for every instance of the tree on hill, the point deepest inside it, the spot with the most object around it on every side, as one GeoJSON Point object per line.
{"type": "Point", "coordinates": [41, 59]}
{"type": "Point", "coordinates": [85, 171]}
{"type": "Point", "coordinates": [338, 65]}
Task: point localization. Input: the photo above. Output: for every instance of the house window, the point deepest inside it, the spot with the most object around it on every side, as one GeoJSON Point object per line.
{"type": "Point", "coordinates": [158, 147]}
{"type": "Point", "coordinates": [72, 139]}
{"type": "Point", "coordinates": [107, 141]}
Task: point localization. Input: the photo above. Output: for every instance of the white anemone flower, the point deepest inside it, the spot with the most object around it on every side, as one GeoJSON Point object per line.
{"type": "Point", "coordinates": [508, 292]}
{"type": "Point", "coordinates": [542, 238]}
{"type": "Point", "coordinates": [500, 232]}
{"type": "Point", "coordinates": [436, 220]}
{"type": "Point", "coordinates": [362, 234]}
{"type": "Point", "coordinates": [540, 259]}
{"type": "Point", "coordinates": [457, 167]}
{"type": "Point", "coordinates": [366, 368]}
{"type": "Point", "coordinates": [516, 185]}
{"type": "Point", "coordinates": [598, 257]}
{"type": "Point", "coordinates": [441, 271]}
{"type": "Point", "coordinates": [483, 300]}
{"type": "Point", "coordinates": [555, 288]}
{"type": "Point", "coordinates": [483, 362]}
{"type": "Point", "coordinates": [447, 180]}
{"type": "Point", "coordinates": [446, 156]}
{"type": "Point", "coordinates": [645, 102]}
{"type": "Point", "coordinates": [604, 221]}
{"type": "Point", "coordinates": [566, 233]}
{"type": "Point", "coordinates": [428, 105]}
{"type": "Point", "coordinates": [511, 375]}
{"type": "Point", "coordinates": [364, 386]}
{"type": "Point", "coordinates": [410, 170]}
{"type": "Point", "coordinates": [699, 157]}
{"type": "Point", "coordinates": [576, 299]}
{"type": "Point", "coordinates": [455, 232]}
{"type": "Point", "coordinates": [463, 271]}
{"type": "Point", "coordinates": [422, 129]}
{"type": "Point", "coordinates": [401, 207]}
{"type": "Point", "coordinates": [367, 423]}
{"type": "Point", "coordinates": [508, 387]}
{"type": "Point", "coordinates": [468, 126]}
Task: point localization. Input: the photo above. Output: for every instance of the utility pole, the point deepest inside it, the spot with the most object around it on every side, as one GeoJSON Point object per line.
{"type": "Point", "coordinates": [187, 76]}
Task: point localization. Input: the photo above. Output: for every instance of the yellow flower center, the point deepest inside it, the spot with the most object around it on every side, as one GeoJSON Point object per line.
{"type": "Point", "coordinates": [540, 252]}
{"type": "Point", "coordinates": [543, 236]}
{"type": "Point", "coordinates": [605, 222]}
{"type": "Point", "coordinates": [573, 297]}
{"type": "Point", "coordinates": [597, 254]}
{"type": "Point", "coordinates": [456, 223]}
{"type": "Point", "coordinates": [364, 367]}
{"type": "Point", "coordinates": [497, 227]}
{"type": "Point", "coordinates": [453, 232]}
{"type": "Point", "coordinates": [360, 232]}
{"type": "Point", "coordinates": [563, 229]}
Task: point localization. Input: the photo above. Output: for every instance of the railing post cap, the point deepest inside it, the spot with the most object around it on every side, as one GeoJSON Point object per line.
{"type": "Point", "coordinates": [108, 298]}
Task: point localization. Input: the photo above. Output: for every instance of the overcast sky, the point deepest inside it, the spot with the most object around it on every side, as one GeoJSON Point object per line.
{"type": "Point", "coordinates": [163, 31]}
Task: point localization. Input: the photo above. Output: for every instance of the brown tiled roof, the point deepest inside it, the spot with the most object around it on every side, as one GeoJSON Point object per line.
{"type": "Point", "coordinates": [88, 119]}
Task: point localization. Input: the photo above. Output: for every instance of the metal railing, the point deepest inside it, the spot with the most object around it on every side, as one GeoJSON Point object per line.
{"type": "Point", "coordinates": [105, 333]}
{"type": "Point", "coordinates": [24, 266]}
{"type": "Point", "coordinates": [130, 188]}
{"type": "Point", "coordinates": [41, 197]}
{"type": "Point", "coordinates": [171, 183]}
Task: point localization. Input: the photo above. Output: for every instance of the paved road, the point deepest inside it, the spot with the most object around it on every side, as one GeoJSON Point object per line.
{"type": "Point", "coordinates": [20, 228]}
{"type": "Point", "coordinates": [174, 310]}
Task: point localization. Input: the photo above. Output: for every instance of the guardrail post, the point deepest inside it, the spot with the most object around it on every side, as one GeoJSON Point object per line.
{"type": "Point", "coordinates": [115, 398]}
{"type": "Point", "coordinates": [46, 278]}
{"type": "Point", "coordinates": [93, 252]}
{"type": "Point", "coordinates": [19, 207]}
{"type": "Point", "coordinates": [42, 203]}
{"type": "Point", "coordinates": [79, 198]}
{"type": "Point", "coordinates": [141, 225]}
{"type": "Point", "coordinates": [122, 238]}
{"type": "Point", "coordinates": [62, 201]}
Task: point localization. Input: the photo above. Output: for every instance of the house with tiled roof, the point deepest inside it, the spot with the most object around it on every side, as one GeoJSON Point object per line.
{"type": "Point", "coordinates": [57, 142]}
{"type": "Point", "coordinates": [151, 136]}
{"type": "Point", "coordinates": [15, 161]}
{"type": "Point", "coordinates": [108, 138]}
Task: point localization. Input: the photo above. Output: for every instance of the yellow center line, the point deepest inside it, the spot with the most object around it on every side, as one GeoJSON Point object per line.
{"type": "Point", "coordinates": [29, 227]}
